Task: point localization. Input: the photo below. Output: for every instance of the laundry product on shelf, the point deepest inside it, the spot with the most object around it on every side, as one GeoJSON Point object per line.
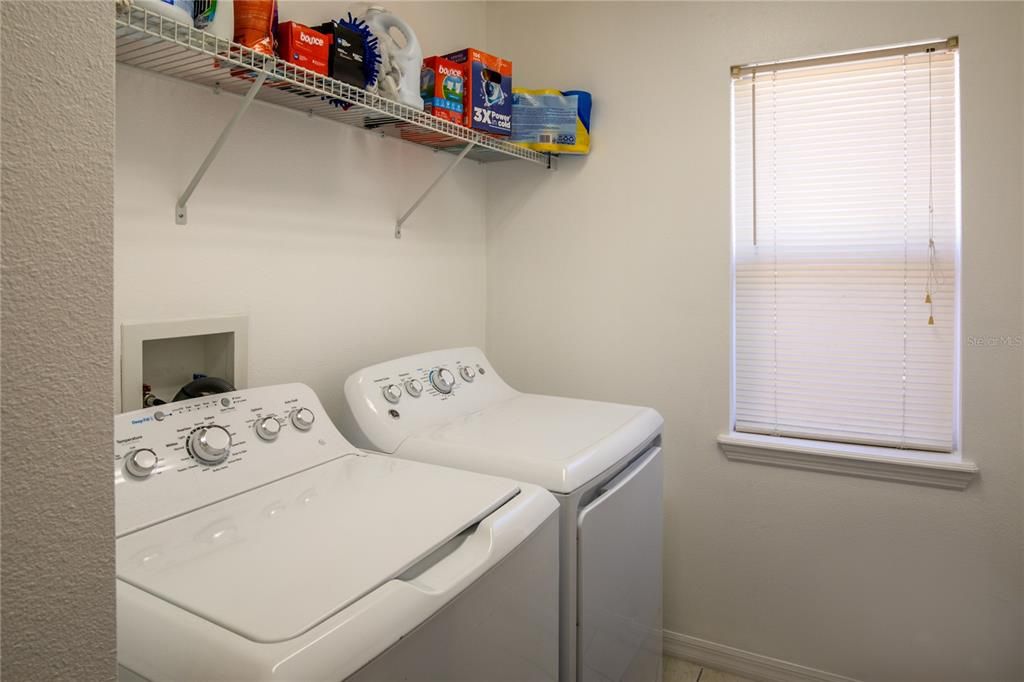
{"type": "Point", "coordinates": [178, 10]}
{"type": "Point", "coordinates": [216, 17]}
{"type": "Point", "coordinates": [443, 89]}
{"type": "Point", "coordinates": [255, 24]}
{"type": "Point", "coordinates": [399, 78]}
{"type": "Point", "coordinates": [352, 58]}
{"type": "Point", "coordinates": [302, 46]}
{"type": "Point", "coordinates": [488, 83]}
{"type": "Point", "coordinates": [556, 121]}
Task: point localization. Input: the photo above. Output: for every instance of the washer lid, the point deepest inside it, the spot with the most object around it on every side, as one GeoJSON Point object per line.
{"type": "Point", "coordinates": [274, 562]}
{"type": "Point", "coordinates": [558, 443]}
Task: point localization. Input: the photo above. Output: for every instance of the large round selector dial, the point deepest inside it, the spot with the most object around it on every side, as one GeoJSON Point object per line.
{"type": "Point", "coordinates": [141, 463]}
{"type": "Point", "coordinates": [268, 428]}
{"type": "Point", "coordinates": [303, 418]}
{"type": "Point", "coordinates": [210, 444]}
{"type": "Point", "coordinates": [392, 393]}
{"type": "Point", "coordinates": [442, 379]}
{"type": "Point", "coordinates": [413, 387]}
{"type": "Point", "coordinates": [467, 372]}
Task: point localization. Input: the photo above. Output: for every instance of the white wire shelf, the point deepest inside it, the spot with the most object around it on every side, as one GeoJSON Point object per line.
{"type": "Point", "coordinates": [157, 43]}
{"type": "Point", "coordinates": [151, 41]}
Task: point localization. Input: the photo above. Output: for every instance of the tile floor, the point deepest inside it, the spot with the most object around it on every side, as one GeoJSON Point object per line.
{"type": "Point", "coordinates": [676, 670]}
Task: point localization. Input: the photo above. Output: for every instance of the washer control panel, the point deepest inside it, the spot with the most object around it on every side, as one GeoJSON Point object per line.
{"type": "Point", "coordinates": [396, 399]}
{"type": "Point", "coordinates": [177, 457]}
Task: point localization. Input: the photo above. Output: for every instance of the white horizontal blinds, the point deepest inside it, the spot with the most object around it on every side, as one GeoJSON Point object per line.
{"type": "Point", "coordinates": [832, 259]}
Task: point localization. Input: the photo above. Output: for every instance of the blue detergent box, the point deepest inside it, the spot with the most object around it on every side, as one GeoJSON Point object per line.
{"type": "Point", "coordinates": [488, 82]}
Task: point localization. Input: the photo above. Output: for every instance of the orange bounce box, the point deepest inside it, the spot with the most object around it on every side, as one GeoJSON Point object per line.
{"type": "Point", "coordinates": [443, 89]}
{"type": "Point", "coordinates": [302, 46]}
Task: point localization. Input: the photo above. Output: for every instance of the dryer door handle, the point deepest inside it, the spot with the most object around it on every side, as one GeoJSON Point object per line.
{"type": "Point", "coordinates": [623, 478]}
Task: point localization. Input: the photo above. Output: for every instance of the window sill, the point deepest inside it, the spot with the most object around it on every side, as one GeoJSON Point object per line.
{"type": "Point", "coordinates": [909, 466]}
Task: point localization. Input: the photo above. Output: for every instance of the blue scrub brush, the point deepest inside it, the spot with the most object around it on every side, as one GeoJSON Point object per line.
{"type": "Point", "coordinates": [371, 48]}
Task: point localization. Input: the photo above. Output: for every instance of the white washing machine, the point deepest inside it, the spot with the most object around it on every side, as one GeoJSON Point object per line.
{"type": "Point", "coordinates": [601, 460]}
{"type": "Point", "coordinates": [255, 543]}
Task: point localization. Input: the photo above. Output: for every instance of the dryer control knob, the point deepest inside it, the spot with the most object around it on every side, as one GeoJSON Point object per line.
{"type": "Point", "coordinates": [467, 372]}
{"type": "Point", "coordinates": [141, 463]}
{"type": "Point", "coordinates": [210, 444]}
{"type": "Point", "coordinates": [303, 418]}
{"type": "Point", "coordinates": [268, 428]}
{"type": "Point", "coordinates": [392, 393]}
{"type": "Point", "coordinates": [413, 387]}
{"type": "Point", "coordinates": [442, 379]}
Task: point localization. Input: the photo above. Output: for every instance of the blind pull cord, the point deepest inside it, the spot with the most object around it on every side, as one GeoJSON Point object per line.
{"type": "Point", "coordinates": [932, 258]}
{"type": "Point", "coordinates": [906, 253]}
{"type": "Point", "coordinates": [753, 150]}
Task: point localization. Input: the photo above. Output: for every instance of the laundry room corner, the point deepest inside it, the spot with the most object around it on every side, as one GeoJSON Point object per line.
{"type": "Point", "coordinates": [297, 226]}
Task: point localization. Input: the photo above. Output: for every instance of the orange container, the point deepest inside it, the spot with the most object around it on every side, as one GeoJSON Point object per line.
{"type": "Point", "coordinates": [254, 24]}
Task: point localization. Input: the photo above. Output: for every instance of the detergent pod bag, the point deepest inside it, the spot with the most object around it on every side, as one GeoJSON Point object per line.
{"type": "Point", "coordinates": [555, 121]}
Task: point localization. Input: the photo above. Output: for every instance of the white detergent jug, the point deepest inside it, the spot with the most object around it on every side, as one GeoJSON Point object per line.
{"type": "Point", "coordinates": [399, 77]}
{"type": "Point", "coordinates": [178, 10]}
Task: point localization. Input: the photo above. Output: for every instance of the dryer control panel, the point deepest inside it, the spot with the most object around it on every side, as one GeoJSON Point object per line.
{"type": "Point", "coordinates": [181, 456]}
{"type": "Point", "coordinates": [395, 399]}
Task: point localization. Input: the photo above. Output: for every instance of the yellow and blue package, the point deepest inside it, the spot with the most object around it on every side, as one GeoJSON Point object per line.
{"type": "Point", "coordinates": [556, 121]}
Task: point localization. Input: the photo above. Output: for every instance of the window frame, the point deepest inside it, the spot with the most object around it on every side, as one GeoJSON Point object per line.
{"type": "Point", "coordinates": [921, 467]}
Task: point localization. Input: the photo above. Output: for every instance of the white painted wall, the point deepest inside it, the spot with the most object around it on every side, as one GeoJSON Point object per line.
{"type": "Point", "coordinates": [610, 280]}
{"type": "Point", "coordinates": [294, 224]}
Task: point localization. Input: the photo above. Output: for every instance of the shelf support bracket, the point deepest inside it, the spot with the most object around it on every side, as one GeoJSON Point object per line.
{"type": "Point", "coordinates": [181, 208]}
{"type": "Point", "coordinates": [416, 204]}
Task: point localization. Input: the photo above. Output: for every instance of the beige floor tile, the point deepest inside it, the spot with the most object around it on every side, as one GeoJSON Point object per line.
{"type": "Point", "coordinates": [709, 675]}
{"type": "Point", "coordinates": [676, 670]}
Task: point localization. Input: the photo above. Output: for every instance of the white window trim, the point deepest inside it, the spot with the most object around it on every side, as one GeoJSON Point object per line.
{"type": "Point", "coordinates": [934, 469]}
{"type": "Point", "coordinates": [916, 467]}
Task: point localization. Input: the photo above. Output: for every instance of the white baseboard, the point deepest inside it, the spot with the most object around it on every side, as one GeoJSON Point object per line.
{"type": "Point", "coordinates": [744, 663]}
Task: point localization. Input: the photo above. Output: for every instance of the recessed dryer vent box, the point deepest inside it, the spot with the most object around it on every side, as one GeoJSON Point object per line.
{"type": "Point", "coordinates": [165, 355]}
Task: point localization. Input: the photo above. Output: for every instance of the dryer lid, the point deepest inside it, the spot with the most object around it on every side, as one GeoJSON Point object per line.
{"type": "Point", "coordinates": [558, 443]}
{"type": "Point", "coordinates": [276, 561]}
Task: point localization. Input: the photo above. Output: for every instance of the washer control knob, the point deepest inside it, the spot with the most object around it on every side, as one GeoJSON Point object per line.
{"type": "Point", "coordinates": [303, 418]}
{"type": "Point", "coordinates": [141, 463]}
{"type": "Point", "coordinates": [268, 428]}
{"type": "Point", "coordinates": [467, 372]}
{"type": "Point", "coordinates": [210, 444]}
{"type": "Point", "coordinates": [413, 387]}
{"type": "Point", "coordinates": [442, 379]}
{"type": "Point", "coordinates": [392, 393]}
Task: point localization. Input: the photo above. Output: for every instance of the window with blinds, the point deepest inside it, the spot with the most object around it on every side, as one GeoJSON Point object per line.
{"type": "Point", "coordinates": [846, 248]}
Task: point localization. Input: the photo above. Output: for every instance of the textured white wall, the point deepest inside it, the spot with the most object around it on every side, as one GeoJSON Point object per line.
{"type": "Point", "coordinates": [610, 280]}
{"type": "Point", "coordinates": [57, 495]}
{"type": "Point", "coordinates": [294, 224]}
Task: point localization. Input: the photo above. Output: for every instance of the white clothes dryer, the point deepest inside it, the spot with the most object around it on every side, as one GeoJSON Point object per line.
{"type": "Point", "coordinates": [601, 460]}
